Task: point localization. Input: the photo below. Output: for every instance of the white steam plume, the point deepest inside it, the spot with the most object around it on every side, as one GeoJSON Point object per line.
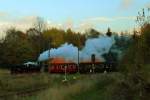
{"type": "Point", "coordinates": [97, 46]}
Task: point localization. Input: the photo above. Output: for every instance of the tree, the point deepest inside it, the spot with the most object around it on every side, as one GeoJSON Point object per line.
{"type": "Point", "coordinates": [40, 25]}
{"type": "Point", "coordinates": [92, 33]}
{"type": "Point", "coordinates": [35, 35]}
{"type": "Point", "coordinates": [35, 39]}
{"type": "Point", "coordinates": [54, 37]}
{"type": "Point", "coordinates": [135, 62]}
{"type": "Point", "coordinates": [16, 48]}
{"type": "Point", "coordinates": [143, 17]}
{"type": "Point", "coordinates": [109, 33]}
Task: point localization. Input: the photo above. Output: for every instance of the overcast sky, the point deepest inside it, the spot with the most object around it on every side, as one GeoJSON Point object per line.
{"type": "Point", "coordinates": [76, 14]}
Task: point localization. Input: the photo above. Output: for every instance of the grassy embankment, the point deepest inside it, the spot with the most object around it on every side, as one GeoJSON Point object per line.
{"type": "Point", "coordinates": [85, 87]}
{"type": "Point", "coordinates": [10, 84]}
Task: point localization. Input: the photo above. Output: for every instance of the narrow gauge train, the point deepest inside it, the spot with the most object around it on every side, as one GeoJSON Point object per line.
{"type": "Point", "coordinates": [83, 67]}
{"type": "Point", "coordinates": [59, 65]}
{"type": "Point", "coordinates": [96, 67]}
{"type": "Point", "coordinates": [63, 67]}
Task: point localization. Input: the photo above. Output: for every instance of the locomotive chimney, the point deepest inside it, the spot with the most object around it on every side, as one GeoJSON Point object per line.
{"type": "Point", "coordinates": [93, 58]}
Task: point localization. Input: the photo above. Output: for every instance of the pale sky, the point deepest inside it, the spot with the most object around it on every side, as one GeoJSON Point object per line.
{"type": "Point", "coordinates": [79, 15]}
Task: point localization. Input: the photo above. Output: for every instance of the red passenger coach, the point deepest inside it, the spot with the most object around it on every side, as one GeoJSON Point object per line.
{"type": "Point", "coordinates": [59, 65]}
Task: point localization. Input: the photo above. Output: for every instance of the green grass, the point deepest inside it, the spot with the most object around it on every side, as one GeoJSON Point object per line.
{"type": "Point", "coordinates": [16, 83]}
{"type": "Point", "coordinates": [100, 90]}
{"type": "Point", "coordinates": [85, 87]}
{"type": "Point", "coordinates": [78, 87]}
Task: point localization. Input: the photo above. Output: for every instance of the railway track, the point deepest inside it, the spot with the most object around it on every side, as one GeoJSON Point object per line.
{"type": "Point", "coordinates": [24, 93]}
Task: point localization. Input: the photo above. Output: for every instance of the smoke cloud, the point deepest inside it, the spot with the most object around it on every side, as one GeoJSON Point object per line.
{"type": "Point", "coordinates": [97, 46]}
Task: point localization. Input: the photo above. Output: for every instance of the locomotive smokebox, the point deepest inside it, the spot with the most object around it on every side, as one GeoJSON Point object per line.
{"type": "Point", "coordinates": [93, 58]}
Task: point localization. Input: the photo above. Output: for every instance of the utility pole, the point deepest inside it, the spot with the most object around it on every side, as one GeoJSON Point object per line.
{"type": "Point", "coordinates": [78, 52]}
{"type": "Point", "coordinates": [49, 54]}
{"type": "Point", "coordinates": [65, 73]}
{"type": "Point", "coordinates": [78, 59]}
{"type": "Point", "coordinates": [49, 49]}
{"type": "Point", "coordinates": [65, 77]}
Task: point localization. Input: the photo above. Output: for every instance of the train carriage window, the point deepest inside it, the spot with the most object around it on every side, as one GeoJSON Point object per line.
{"type": "Point", "coordinates": [57, 67]}
{"type": "Point", "coordinates": [74, 67]}
{"type": "Point", "coordinates": [52, 67]}
{"type": "Point", "coordinates": [62, 67]}
{"type": "Point", "coordinates": [69, 66]}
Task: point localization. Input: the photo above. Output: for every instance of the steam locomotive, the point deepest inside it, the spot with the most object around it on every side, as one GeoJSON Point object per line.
{"type": "Point", "coordinates": [25, 68]}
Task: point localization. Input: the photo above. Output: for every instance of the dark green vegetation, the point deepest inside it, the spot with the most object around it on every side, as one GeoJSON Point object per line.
{"type": "Point", "coordinates": [18, 47]}
{"type": "Point", "coordinates": [135, 66]}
